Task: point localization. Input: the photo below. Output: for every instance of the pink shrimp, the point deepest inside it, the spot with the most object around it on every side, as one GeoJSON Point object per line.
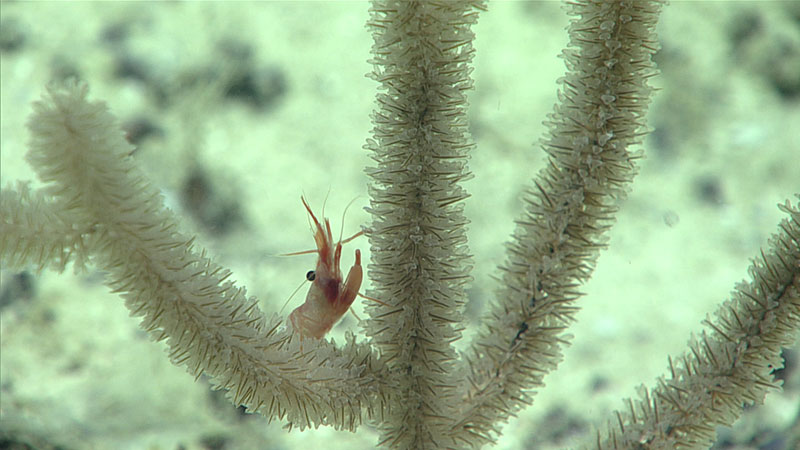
{"type": "Point", "coordinates": [328, 298]}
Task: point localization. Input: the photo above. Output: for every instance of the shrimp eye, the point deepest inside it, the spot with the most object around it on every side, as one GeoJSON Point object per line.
{"type": "Point", "coordinates": [311, 275]}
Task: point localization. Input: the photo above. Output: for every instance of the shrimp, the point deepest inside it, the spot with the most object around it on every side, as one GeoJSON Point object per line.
{"type": "Point", "coordinates": [329, 297]}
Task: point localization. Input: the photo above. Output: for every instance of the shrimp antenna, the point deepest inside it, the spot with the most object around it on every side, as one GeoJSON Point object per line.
{"type": "Point", "coordinates": [373, 299]}
{"type": "Point", "coordinates": [290, 297]}
{"type": "Point", "coordinates": [341, 230]}
{"type": "Point", "coordinates": [325, 202]}
{"type": "Point", "coordinates": [308, 219]}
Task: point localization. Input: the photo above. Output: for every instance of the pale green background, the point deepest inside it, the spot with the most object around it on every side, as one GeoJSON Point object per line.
{"type": "Point", "coordinates": [77, 371]}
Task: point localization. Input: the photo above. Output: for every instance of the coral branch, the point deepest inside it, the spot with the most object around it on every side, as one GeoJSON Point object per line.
{"type": "Point", "coordinates": [209, 324]}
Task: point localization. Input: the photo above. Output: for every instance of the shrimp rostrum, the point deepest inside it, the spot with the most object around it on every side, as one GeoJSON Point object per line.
{"type": "Point", "coordinates": [329, 296]}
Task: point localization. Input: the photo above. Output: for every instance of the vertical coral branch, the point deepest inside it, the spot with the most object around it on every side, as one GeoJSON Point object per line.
{"type": "Point", "coordinates": [420, 259]}
{"type": "Point", "coordinates": [599, 117]}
